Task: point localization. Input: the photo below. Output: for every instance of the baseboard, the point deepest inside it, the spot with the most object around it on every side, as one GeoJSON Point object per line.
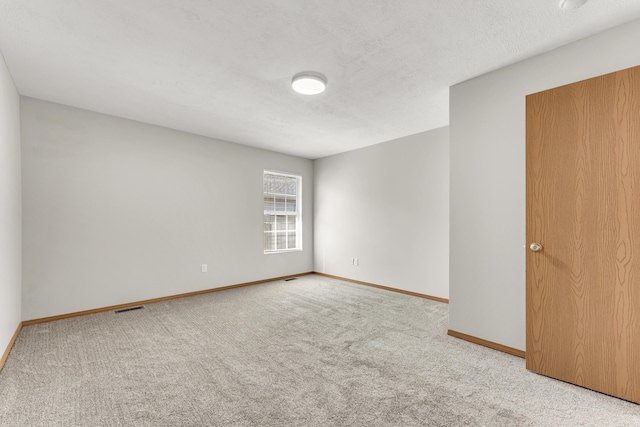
{"type": "Point", "coordinates": [485, 343]}
{"type": "Point", "coordinates": [10, 346]}
{"type": "Point", "coordinates": [154, 300]}
{"type": "Point", "coordinates": [386, 288]}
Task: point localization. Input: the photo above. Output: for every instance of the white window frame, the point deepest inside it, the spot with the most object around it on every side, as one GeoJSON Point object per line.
{"type": "Point", "coordinates": [298, 214]}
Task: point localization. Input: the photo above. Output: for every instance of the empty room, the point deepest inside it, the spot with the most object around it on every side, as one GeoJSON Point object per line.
{"type": "Point", "coordinates": [347, 213]}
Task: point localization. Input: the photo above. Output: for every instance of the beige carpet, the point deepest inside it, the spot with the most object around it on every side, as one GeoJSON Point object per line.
{"type": "Point", "coordinates": [309, 352]}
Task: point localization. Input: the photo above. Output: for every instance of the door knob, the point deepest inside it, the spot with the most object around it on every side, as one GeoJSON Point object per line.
{"type": "Point", "coordinates": [535, 247]}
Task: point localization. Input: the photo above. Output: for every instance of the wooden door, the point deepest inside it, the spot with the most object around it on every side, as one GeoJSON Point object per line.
{"type": "Point", "coordinates": [583, 207]}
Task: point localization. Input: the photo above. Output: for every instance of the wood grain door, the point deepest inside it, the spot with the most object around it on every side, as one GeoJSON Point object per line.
{"type": "Point", "coordinates": [583, 207]}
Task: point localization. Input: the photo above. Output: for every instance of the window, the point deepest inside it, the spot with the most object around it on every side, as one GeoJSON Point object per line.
{"type": "Point", "coordinates": [282, 212]}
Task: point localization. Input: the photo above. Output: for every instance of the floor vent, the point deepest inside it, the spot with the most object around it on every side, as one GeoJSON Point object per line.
{"type": "Point", "coordinates": [290, 279]}
{"type": "Point", "coordinates": [122, 310]}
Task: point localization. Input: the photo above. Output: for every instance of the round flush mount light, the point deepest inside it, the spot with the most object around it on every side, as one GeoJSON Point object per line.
{"type": "Point", "coordinates": [571, 4]}
{"type": "Point", "coordinates": [309, 83]}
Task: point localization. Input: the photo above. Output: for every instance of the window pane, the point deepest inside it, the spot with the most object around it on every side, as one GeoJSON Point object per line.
{"type": "Point", "coordinates": [269, 222]}
{"type": "Point", "coordinates": [292, 240]}
{"type": "Point", "coordinates": [291, 222]}
{"type": "Point", "coordinates": [281, 240]}
{"type": "Point", "coordinates": [279, 184]}
{"type": "Point", "coordinates": [269, 203]}
{"type": "Point", "coordinates": [291, 185]}
{"type": "Point", "coordinates": [269, 241]}
{"type": "Point", "coordinates": [279, 204]}
{"type": "Point", "coordinates": [282, 222]}
{"type": "Point", "coordinates": [291, 204]}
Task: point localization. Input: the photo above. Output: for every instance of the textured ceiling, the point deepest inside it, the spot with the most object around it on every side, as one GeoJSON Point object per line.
{"type": "Point", "coordinates": [223, 68]}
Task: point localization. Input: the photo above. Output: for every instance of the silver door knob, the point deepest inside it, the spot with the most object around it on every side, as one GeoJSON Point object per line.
{"type": "Point", "coordinates": [535, 247]}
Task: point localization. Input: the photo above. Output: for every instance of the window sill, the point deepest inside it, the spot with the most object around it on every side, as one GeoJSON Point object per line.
{"type": "Point", "coordinates": [283, 251]}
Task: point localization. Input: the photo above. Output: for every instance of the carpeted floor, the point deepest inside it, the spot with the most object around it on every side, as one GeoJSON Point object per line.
{"type": "Point", "coordinates": [309, 352]}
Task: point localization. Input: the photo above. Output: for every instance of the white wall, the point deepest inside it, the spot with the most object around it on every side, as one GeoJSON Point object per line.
{"type": "Point", "coordinates": [117, 211]}
{"type": "Point", "coordinates": [387, 205]}
{"type": "Point", "coordinates": [487, 125]}
{"type": "Point", "coordinates": [10, 209]}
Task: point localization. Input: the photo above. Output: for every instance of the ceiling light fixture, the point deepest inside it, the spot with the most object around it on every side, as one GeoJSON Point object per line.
{"type": "Point", "coordinates": [309, 83]}
{"type": "Point", "coordinates": [571, 4]}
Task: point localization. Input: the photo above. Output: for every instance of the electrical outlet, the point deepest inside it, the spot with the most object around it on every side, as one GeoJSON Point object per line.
{"type": "Point", "coordinates": [356, 262]}
{"type": "Point", "coordinates": [353, 261]}
{"type": "Point", "coordinates": [204, 268]}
